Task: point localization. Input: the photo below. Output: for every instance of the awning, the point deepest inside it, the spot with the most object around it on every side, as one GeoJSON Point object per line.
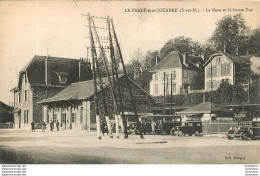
{"type": "Point", "coordinates": [16, 110]}
{"type": "Point", "coordinates": [205, 108]}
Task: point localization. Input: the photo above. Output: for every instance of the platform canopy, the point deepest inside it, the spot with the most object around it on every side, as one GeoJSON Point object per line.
{"type": "Point", "coordinates": [205, 108]}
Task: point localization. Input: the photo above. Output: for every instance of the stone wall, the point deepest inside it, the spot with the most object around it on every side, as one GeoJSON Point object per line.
{"type": "Point", "coordinates": [40, 93]}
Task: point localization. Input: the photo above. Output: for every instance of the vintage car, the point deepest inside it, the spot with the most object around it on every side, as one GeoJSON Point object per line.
{"type": "Point", "coordinates": [188, 128]}
{"type": "Point", "coordinates": [245, 130]}
{"type": "Point", "coordinates": [167, 123]}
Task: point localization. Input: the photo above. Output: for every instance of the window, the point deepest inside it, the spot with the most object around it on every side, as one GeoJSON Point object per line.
{"type": "Point", "coordinates": [227, 68]}
{"type": "Point", "coordinates": [209, 72]}
{"type": "Point", "coordinates": [63, 79]}
{"type": "Point", "coordinates": [19, 96]}
{"type": "Point", "coordinates": [214, 71]}
{"type": "Point", "coordinates": [26, 114]}
{"type": "Point", "coordinates": [81, 114]}
{"type": "Point", "coordinates": [54, 118]}
{"type": "Point", "coordinates": [47, 116]}
{"type": "Point", "coordinates": [185, 73]}
{"type": "Point", "coordinates": [73, 118]}
{"type": "Point", "coordinates": [156, 89]}
{"type": "Point", "coordinates": [156, 76]}
{"type": "Point", "coordinates": [63, 118]}
{"type": "Point", "coordinates": [26, 95]}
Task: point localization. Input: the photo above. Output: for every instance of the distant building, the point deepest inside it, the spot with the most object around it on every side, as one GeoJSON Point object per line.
{"type": "Point", "coordinates": [187, 71]}
{"type": "Point", "coordinates": [74, 107]}
{"type": "Point", "coordinates": [222, 66]}
{"type": "Point", "coordinates": [42, 78]}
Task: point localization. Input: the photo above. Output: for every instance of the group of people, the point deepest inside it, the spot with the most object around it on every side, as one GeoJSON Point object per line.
{"type": "Point", "coordinates": [44, 126]}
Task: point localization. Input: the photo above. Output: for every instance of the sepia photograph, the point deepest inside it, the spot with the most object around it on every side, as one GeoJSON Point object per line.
{"type": "Point", "coordinates": [129, 82]}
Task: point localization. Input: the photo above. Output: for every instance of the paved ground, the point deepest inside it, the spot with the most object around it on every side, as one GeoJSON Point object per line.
{"type": "Point", "coordinates": [81, 147]}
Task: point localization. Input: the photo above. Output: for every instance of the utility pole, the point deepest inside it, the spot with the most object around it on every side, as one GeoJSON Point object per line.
{"type": "Point", "coordinates": [106, 69]}
{"type": "Point", "coordinates": [114, 70]}
{"type": "Point", "coordinates": [127, 81]}
{"type": "Point", "coordinates": [95, 79]}
{"type": "Point", "coordinates": [171, 95]}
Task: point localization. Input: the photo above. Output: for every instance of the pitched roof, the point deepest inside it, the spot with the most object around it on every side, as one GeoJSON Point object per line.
{"type": "Point", "coordinates": [232, 58]}
{"type": "Point", "coordinates": [204, 108]}
{"type": "Point", "coordinates": [175, 60]}
{"type": "Point", "coordinates": [81, 91]}
{"type": "Point", "coordinates": [35, 70]}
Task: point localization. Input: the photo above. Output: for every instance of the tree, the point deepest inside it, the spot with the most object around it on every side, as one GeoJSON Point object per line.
{"type": "Point", "coordinates": [181, 44]}
{"type": "Point", "coordinates": [254, 42]}
{"type": "Point", "coordinates": [231, 35]}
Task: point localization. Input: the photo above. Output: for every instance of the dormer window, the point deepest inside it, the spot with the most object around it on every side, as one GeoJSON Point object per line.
{"type": "Point", "coordinates": [63, 77]}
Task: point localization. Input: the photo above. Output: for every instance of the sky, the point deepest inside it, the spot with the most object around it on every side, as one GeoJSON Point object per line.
{"type": "Point", "coordinates": [29, 28]}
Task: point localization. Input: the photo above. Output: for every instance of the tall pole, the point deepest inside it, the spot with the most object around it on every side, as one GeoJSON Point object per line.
{"type": "Point", "coordinates": [164, 101]}
{"type": "Point", "coordinates": [95, 78]}
{"type": "Point", "coordinates": [171, 95]}
{"type": "Point", "coordinates": [106, 68]}
{"type": "Point", "coordinates": [127, 81]}
{"type": "Point", "coordinates": [114, 70]}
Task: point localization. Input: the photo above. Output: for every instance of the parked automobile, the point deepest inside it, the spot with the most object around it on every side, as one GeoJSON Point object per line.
{"type": "Point", "coordinates": [245, 130]}
{"type": "Point", "coordinates": [188, 128]}
{"type": "Point", "coordinates": [164, 123]}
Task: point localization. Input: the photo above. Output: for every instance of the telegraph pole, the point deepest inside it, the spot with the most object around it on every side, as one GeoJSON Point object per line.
{"type": "Point", "coordinates": [94, 78]}
{"type": "Point", "coordinates": [114, 70]}
{"type": "Point", "coordinates": [106, 68]}
{"type": "Point", "coordinates": [127, 81]}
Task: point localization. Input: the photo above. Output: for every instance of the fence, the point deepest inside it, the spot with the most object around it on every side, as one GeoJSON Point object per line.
{"type": "Point", "coordinates": [218, 126]}
{"type": "Point", "coordinates": [6, 125]}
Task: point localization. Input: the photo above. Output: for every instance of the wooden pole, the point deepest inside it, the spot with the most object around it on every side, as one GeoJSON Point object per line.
{"type": "Point", "coordinates": [171, 94]}
{"type": "Point", "coordinates": [114, 67]}
{"type": "Point", "coordinates": [106, 67]}
{"type": "Point", "coordinates": [127, 81]}
{"type": "Point", "coordinates": [94, 78]}
{"type": "Point", "coordinates": [164, 101]}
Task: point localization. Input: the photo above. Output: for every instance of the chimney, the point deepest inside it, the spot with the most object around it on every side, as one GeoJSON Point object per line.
{"type": "Point", "coordinates": [81, 60]}
{"type": "Point", "coordinates": [185, 56]}
{"type": "Point", "coordinates": [202, 55]}
{"type": "Point", "coordinates": [46, 69]}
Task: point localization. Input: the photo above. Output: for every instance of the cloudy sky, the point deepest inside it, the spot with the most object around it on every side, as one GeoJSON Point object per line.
{"type": "Point", "coordinates": [28, 28]}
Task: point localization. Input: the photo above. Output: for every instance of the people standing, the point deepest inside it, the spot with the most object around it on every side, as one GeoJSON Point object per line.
{"type": "Point", "coordinates": [32, 125]}
{"type": "Point", "coordinates": [57, 125]}
{"type": "Point", "coordinates": [43, 126]}
{"type": "Point", "coordinates": [51, 125]}
{"type": "Point", "coordinates": [153, 125]}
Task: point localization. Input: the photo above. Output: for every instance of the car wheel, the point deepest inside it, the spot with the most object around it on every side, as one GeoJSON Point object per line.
{"type": "Point", "coordinates": [190, 134]}
{"type": "Point", "coordinates": [180, 133]}
{"type": "Point", "coordinates": [244, 136]}
{"type": "Point", "coordinates": [197, 133]}
{"type": "Point", "coordinates": [230, 138]}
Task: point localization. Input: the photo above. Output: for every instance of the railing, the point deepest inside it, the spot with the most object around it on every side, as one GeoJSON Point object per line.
{"type": "Point", "coordinates": [6, 125]}
{"type": "Point", "coordinates": [218, 126]}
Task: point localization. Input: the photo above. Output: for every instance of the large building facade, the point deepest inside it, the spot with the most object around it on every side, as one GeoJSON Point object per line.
{"type": "Point", "coordinates": [74, 107]}
{"type": "Point", "coordinates": [41, 78]}
{"type": "Point", "coordinates": [222, 66]}
{"type": "Point", "coordinates": [187, 74]}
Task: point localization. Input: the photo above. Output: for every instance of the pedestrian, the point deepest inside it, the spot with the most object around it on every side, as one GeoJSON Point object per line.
{"type": "Point", "coordinates": [43, 126]}
{"type": "Point", "coordinates": [153, 125]}
{"type": "Point", "coordinates": [160, 127]}
{"type": "Point", "coordinates": [57, 125]}
{"type": "Point", "coordinates": [32, 125]}
{"type": "Point", "coordinates": [104, 128]}
{"type": "Point", "coordinates": [51, 125]}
